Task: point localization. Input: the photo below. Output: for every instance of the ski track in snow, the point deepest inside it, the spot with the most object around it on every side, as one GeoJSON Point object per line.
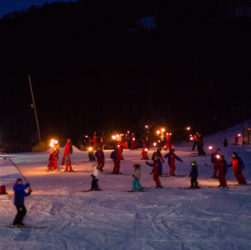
{"type": "Point", "coordinates": [168, 218]}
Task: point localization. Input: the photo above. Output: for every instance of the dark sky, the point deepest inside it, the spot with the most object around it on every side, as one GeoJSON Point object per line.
{"type": "Point", "coordinates": [8, 6]}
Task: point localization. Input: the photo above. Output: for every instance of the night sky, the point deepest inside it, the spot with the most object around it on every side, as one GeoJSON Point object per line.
{"type": "Point", "coordinates": [8, 6]}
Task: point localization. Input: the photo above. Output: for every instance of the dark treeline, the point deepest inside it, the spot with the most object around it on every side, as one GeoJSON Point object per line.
{"type": "Point", "coordinates": [95, 66]}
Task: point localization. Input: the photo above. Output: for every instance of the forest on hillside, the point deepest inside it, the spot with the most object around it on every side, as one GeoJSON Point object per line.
{"type": "Point", "coordinates": [110, 65]}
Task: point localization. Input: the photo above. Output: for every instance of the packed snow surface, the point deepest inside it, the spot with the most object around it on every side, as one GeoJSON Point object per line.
{"type": "Point", "coordinates": [168, 218]}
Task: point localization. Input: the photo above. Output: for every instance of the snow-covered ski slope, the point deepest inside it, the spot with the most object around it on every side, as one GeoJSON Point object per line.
{"type": "Point", "coordinates": [168, 218]}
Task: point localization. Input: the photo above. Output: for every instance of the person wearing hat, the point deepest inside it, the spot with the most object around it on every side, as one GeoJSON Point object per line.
{"type": "Point", "coordinates": [194, 174]}
{"type": "Point", "coordinates": [136, 178]}
{"type": "Point", "coordinates": [19, 195]}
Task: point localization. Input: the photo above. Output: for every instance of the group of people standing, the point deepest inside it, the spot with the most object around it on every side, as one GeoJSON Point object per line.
{"type": "Point", "coordinates": [220, 167]}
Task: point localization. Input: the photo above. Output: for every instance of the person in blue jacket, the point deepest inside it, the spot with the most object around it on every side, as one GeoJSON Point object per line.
{"type": "Point", "coordinates": [19, 194]}
{"type": "Point", "coordinates": [194, 175]}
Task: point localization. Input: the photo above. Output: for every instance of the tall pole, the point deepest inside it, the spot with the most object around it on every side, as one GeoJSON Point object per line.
{"type": "Point", "coordinates": [34, 107]}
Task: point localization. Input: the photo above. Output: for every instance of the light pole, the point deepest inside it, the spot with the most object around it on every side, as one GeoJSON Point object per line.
{"type": "Point", "coordinates": [35, 110]}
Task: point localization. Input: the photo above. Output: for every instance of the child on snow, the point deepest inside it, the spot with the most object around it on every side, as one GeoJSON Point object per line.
{"type": "Point", "coordinates": [95, 177]}
{"type": "Point", "coordinates": [136, 178]}
{"type": "Point", "coordinates": [194, 174]}
{"type": "Point", "coordinates": [53, 158]}
{"type": "Point", "coordinates": [19, 195]}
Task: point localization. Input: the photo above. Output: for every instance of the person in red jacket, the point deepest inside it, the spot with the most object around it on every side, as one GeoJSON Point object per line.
{"type": "Point", "coordinates": [120, 150]}
{"type": "Point", "coordinates": [238, 165]}
{"type": "Point", "coordinates": [171, 161]}
{"type": "Point", "coordinates": [215, 159]}
{"type": "Point", "coordinates": [155, 166]}
{"type": "Point", "coordinates": [95, 140]}
{"type": "Point", "coordinates": [116, 160]}
{"type": "Point", "coordinates": [53, 158]}
{"type": "Point", "coordinates": [100, 159]}
{"type": "Point", "coordinates": [133, 142]}
{"type": "Point", "coordinates": [66, 158]}
{"type": "Point", "coordinates": [167, 141]}
{"type": "Point", "coordinates": [144, 153]}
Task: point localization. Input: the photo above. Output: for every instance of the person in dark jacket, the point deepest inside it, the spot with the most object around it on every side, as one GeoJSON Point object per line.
{"type": "Point", "coordinates": [222, 171]}
{"type": "Point", "coordinates": [194, 175]}
{"type": "Point", "coordinates": [19, 195]}
{"type": "Point", "coordinates": [200, 144]}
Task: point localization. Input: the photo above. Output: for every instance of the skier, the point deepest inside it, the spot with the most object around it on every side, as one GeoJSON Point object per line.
{"type": "Point", "coordinates": [66, 158]}
{"type": "Point", "coordinates": [194, 175]}
{"type": "Point", "coordinates": [100, 158]}
{"type": "Point", "coordinates": [200, 144]}
{"type": "Point", "coordinates": [158, 157]}
{"type": "Point", "coordinates": [95, 177]}
{"type": "Point", "coordinates": [215, 159]}
{"type": "Point", "coordinates": [116, 160]}
{"type": "Point", "coordinates": [91, 154]}
{"type": "Point", "coordinates": [19, 194]}
{"type": "Point", "coordinates": [95, 140]}
{"type": "Point", "coordinates": [167, 141]}
{"type": "Point", "coordinates": [238, 166]}
{"type": "Point", "coordinates": [155, 166]}
{"type": "Point", "coordinates": [171, 161]}
{"type": "Point", "coordinates": [136, 178]}
{"type": "Point", "coordinates": [133, 142]}
{"type": "Point", "coordinates": [53, 158]}
{"type": "Point", "coordinates": [236, 139]}
{"type": "Point", "coordinates": [120, 150]}
{"type": "Point", "coordinates": [144, 154]}
{"type": "Point", "coordinates": [222, 171]}
{"type": "Point", "coordinates": [195, 141]}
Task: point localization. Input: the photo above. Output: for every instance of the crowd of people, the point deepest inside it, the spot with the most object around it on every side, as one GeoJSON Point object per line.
{"type": "Point", "coordinates": [219, 164]}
